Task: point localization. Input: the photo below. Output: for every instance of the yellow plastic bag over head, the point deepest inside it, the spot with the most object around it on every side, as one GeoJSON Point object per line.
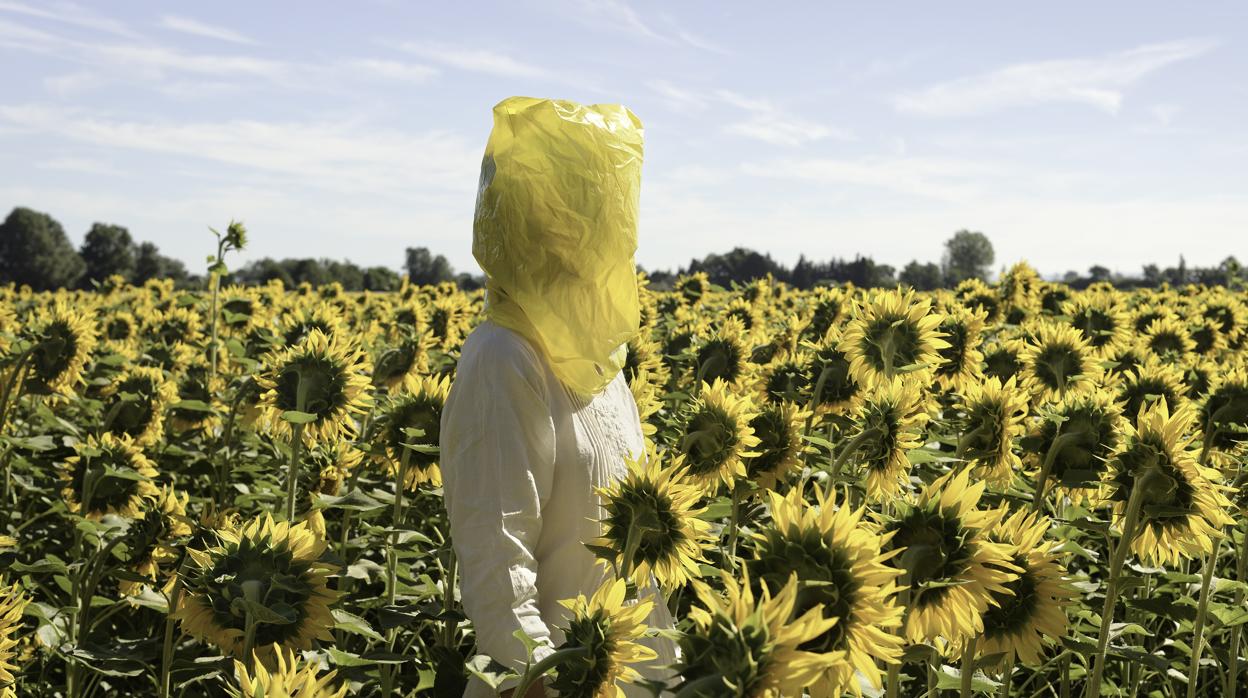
{"type": "Point", "coordinates": [556, 228]}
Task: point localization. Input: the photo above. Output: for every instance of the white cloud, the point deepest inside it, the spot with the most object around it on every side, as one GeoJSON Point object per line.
{"type": "Point", "coordinates": [776, 125]}
{"type": "Point", "coordinates": [79, 165]}
{"type": "Point", "coordinates": [68, 13]}
{"type": "Point", "coordinates": [194, 27]}
{"type": "Point", "coordinates": [393, 70]}
{"type": "Point", "coordinates": [1096, 82]}
{"type": "Point", "coordinates": [934, 178]}
{"type": "Point", "coordinates": [677, 98]}
{"type": "Point", "coordinates": [473, 59]}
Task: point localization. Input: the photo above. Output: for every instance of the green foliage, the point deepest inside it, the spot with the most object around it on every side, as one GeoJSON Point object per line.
{"type": "Point", "coordinates": [968, 255]}
{"type": "Point", "coordinates": [35, 251]}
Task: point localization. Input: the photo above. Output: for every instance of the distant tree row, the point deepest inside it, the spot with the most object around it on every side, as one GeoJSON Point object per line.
{"type": "Point", "coordinates": [35, 251]}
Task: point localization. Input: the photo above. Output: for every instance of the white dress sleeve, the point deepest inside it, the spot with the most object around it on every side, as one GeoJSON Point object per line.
{"type": "Point", "coordinates": [497, 456]}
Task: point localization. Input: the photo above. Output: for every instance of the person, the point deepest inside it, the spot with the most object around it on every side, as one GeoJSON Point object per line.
{"type": "Point", "coordinates": [539, 412]}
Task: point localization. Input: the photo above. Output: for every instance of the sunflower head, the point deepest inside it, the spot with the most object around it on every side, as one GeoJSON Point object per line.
{"type": "Point", "coordinates": [13, 602]}
{"type": "Point", "coordinates": [324, 376]}
{"type": "Point", "coordinates": [1058, 360]}
{"type": "Point", "coordinates": [409, 357]}
{"type": "Point", "coordinates": [448, 321]}
{"type": "Point", "coordinates": [304, 318]}
{"type": "Point", "coordinates": [827, 309]}
{"type": "Point", "coordinates": [266, 571]}
{"type": "Point", "coordinates": [723, 355]}
{"type": "Point", "coordinates": [1184, 505]}
{"type": "Point", "coordinates": [287, 677]}
{"type": "Point", "coordinates": [778, 427]}
{"type": "Point", "coordinates": [110, 475]}
{"type": "Point", "coordinates": [892, 332]}
{"type": "Point", "coordinates": [830, 384]}
{"type": "Point", "coordinates": [751, 644]}
{"type": "Point", "coordinates": [1101, 320]}
{"type": "Point", "coordinates": [961, 360]}
{"type": "Point", "coordinates": [136, 401]}
{"type": "Point", "coordinates": [1078, 434]}
{"type": "Point", "coordinates": [888, 423]}
{"type": "Point", "coordinates": [1168, 340]}
{"type": "Point", "coordinates": [1151, 382]}
{"type": "Point", "coordinates": [418, 406]}
{"type": "Point", "coordinates": [992, 417]}
{"type": "Point", "coordinates": [691, 288]}
{"type": "Point", "coordinates": [786, 377]}
{"type": "Point", "coordinates": [62, 340]}
{"type": "Point", "coordinates": [609, 630]}
{"type": "Point", "coordinates": [840, 567]}
{"type": "Point", "coordinates": [1207, 337]}
{"type": "Point", "coordinates": [716, 436]}
{"type": "Point", "coordinates": [155, 538]}
{"type": "Point", "coordinates": [650, 523]}
{"type": "Point", "coordinates": [1224, 412]}
{"type": "Point", "coordinates": [1003, 358]}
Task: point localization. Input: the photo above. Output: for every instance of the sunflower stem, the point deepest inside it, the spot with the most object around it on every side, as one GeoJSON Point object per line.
{"type": "Point", "coordinates": [893, 681]}
{"type": "Point", "coordinates": [296, 447]}
{"type": "Point", "coordinates": [536, 671]}
{"type": "Point", "coordinates": [1046, 469]}
{"type": "Point", "coordinates": [734, 523]}
{"type": "Point", "coordinates": [1007, 676]}
{"type": "Point", "coordinates": [697, 686]}
{"type": "Point", "coordinates": [852, 447]}
{"type": "Point", "coordinates": [392, 555]}
{"type": "Point", "coordinates": [14, 386]}
{"type": "Point", "coordinates": [1202, 612]}
{"type": "Point", "coordinates": [1113, 582]}
{"type": "Point", "coordinates": [968, 668]}
{"type": "Point", "coordinates": [166, 654]}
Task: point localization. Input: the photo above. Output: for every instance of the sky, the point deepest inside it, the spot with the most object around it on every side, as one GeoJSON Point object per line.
{"type": "Point", "coordinates": [1070, 133]}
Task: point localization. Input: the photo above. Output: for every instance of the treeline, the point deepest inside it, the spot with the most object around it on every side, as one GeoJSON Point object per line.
{"type": "Point", "coordinates": [35, 251]}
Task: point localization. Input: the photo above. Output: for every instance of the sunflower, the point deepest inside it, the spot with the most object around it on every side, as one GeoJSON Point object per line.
{"type": "Point", "coordinates": [1033, 612]}
{"type": "Point", "coordinates": [748, 314]}
{"type": "Point", "coordinates": [1003, 358]}
{"type": "Point", "coordinates": [892, 332]}
{"type": "Point", "coordinates": [1230, 314]}
{"type": "Point", "coordinates": [839, 565]}
{"type": "Point", "coordinates": [330, 374]}
{"type": "Point", "coordinates": [827, 309]}
{"type": "Point", "coordinates": [1019, 290]}
{"type": "Point", "coordinates": [960, 361]}
{"type": "Point", "coordinates": [992, 418]}
{"type": "Point", "coordinates": [1078, 434]}
{"type": "Point", "coordinates": [331, 464]}
{"type": "Point", "coordinates": [1146, 313]}
{"type": "Point", "coordinates": [1120, 362]}
{"type": "Point", "coordinates": [691, 288]}
{"type": "Point", "coordinates": [952, 567]}
{"type": "Point", "coordinates": [13, 602]}
{"type": "Point", "coordinates": [888, 423]}
{"type": "Point", "coordinates": [786, 377]}
{"type": "Point", "coordinates": [658, 507]}
{"type": "Point", "coordinates": [290, 678]}
{"type": "Point", "coordinates": [1224, 412]}
{"type": "Point", "coordinates": [299, 323]}
{"type": "Point", "coordinates": [976, 295]}
{"type": "Point", "coordinates": [1207, 337]}
{"type": "Point", "coordinates": [644, 361]}
{"type": "Point", "coordinates": [1057, 360]}
{"type": "Point", "coordinates": [240, 309]}
{"type": "Point", "coordinates": [8, 326]}
{"type": "Point", "coordinates": [716, 436]}
{"type": "Point", "coordinates": [119, 332]}
{"type": "Point", "coordinates": [173, 325]}
{"type": "Point", "coordinates": [1168, 340]}
{"type": "Point", "coordinates": [170, 358]}
{"type": "Point", "coordinates": [609, 630]}
{"type": "Point", "coordinates": [724, 354]}
{"type": "Point", "coordinates": [1101, 320]}
{"type": "Point", "coordinates": [418, 406]}
{"type": "Point", "coordinates": [750, 649]}
{"type": "Point", "coordinates": [1183, 505]}
{"type": "Point", "coordinates": [778, 427]}
{"type": "Point", "coordinates": [448, 321]}
{"type": "Point", "coordinates": [155, 538]}
{"type": "Point", "coordinates": [1150, 382]}
{"type": "Point", "coordinates": [198, 387]}
{"type": "Point", "coordinates": [135, 403]}
{"type": "Point", "coordinates": [111, 474]}
{"type": "Point", "coordinates": [1053, 297]}
{"type": "Point", "coordinates": [63, 340]}
{"type": "Point", "coordinates": [830, 384]}
{"type": "Point", "coordinates": [275, 564]}
{"type": "Point", "coordinates": [410, 357]}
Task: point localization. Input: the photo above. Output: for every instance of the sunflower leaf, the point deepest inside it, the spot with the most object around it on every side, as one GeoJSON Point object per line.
{"type": "Point", "coordinates": [297, 417]}
{"type": "Point", "coordinates": [352, 623]}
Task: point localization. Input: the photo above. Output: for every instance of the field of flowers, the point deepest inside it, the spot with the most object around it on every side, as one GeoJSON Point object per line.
{"type": "Point", "coordinates": [846, 491]}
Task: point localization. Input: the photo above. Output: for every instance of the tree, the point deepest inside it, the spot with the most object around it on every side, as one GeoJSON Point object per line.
{"type": "Point", "coordinates": [107, 250]}
{"type": "Point", "coordinates": [922, 277]}
{"type": "Point", "coordinates": [1098, 273]}
{"type": "Point", "coordinates": [34, 250]}
{"type": "Point", "coordinates": [424, 268]}
{"type": "Point", "coordinates": [380, 279]}
{"type": "Point", "coordinates": [149, 263]}
{"type": "Point", "coordinates": [968, 255]}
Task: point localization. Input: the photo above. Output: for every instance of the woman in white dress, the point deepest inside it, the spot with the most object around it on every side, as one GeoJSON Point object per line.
{"type": "Point", "coordinates": [539, 413]}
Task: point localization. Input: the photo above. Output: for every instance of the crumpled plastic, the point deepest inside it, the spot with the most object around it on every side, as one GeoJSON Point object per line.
{"type": "Point", "coordinates": [555, 231]}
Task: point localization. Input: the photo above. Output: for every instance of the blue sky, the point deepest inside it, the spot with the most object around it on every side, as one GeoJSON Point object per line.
{"type": "Point", "coordinates": [1069, 133]}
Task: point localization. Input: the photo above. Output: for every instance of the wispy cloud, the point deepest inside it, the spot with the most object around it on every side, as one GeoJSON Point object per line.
{"type": "Point", "coordinates": [773, 124]}
{"type": "Point", "coordinates": [68, 13]}
{"type": "Point", "coordinates": [677, 98]}
{"type": "Point", "coordinates": [934, 178]}
{"type": "Point", "coordinates": [475, 60]}
{"type": "Point", "coordinates": [619, 17]}
{"type": "Point", "coordinates": [194, 27]}
{"type": "Point", "coordinates": [394, 70]}
{"type": "Point", "coordinates": [1096, 82]}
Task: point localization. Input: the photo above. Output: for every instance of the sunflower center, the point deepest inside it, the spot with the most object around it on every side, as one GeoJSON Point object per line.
{"type": "Point", "coordinates": [709, 441]}
{"type": "Point", "coordinates": [416, 413]}
{"type": "Point", "coordinates": [1144, 391]}
{"type": "Point", "coordinates": [1097, 325]}
{"type": "Point", "coordinates": [936, 550]}
{"type": "Point", "coordinates": [119, 329]}
{"type": "Point", "coordinates": [1166, 344]}
{"type": "Point", "coordinates": [719, 358]}
{"type": "Point", "coordinates": [786, 382]}
{"type": "Point", "coordinates": [1015, 612]}
{"type": "Point", "coordinates": [1002, 363]}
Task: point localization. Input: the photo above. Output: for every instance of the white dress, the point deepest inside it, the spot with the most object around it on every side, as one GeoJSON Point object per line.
{"type": "Point", "coordinates": [520, 458]}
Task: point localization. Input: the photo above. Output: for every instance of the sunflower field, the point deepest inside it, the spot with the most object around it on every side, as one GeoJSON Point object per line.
{"type": "Point", "coordinates": [1016, 489]}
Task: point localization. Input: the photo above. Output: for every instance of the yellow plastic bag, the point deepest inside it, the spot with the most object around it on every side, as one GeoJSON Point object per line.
{"type": "Point", "coordinates": [556, 228]}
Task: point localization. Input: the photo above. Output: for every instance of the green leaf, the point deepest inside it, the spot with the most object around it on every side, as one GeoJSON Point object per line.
{"type": "Point", "coordinates": [491, 672]}
{"type": "Point", "coordinates": [297, 417]}
{"type": "Point", "coordinates": [352, 623]}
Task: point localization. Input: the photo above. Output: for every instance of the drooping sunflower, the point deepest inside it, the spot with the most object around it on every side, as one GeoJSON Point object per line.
{"type": "Point", "coordinates": [952, 567]}
{"type": "Point", "coordinates": [1033, 614]}
{"type": "Point", "coordinates": [155, 538]}
{"type": "Point", "coordinates": [827, 310]}
{"type": "Point", "coordinates": [410, 357]}
{"type": "Point", "coordinates": [1101, 319]}
{"type": "Point", "coordinates": [1077, 434]}
{"type": "Point", "coordinates": [63, 340]}
{"type": "Point", "coordinates": [992, 418]}
{"type": "Point", "coordinates": [715, 436]}
{"type": "Point", "coordinates": [289, 678]}
{"type": "Point", "coordinates": [1224, 413]}
{"type": "Point", "coordinates": [723, 354]}
{"type": "Point", "coordinates": [136, 401]}
{"type": "Point", "coordinates": [1020, 292]}
{"type": "Point", "coordinates": [976, 295]}
{"type": "Point", "coordinates": [330, 372]}
{"type": "Point", "coordinates": [273, 563]}
{"type": "Point", "coordinates": [691, 288]}
{"type": "Point", "coordinates": [1003, 358]}
{"type": "Point", "coordinates": [1168, 340]}
{"type": "Point", "coordinates": [418, 406]}
{"type": "Point", "coordinates": [609, 630]}
{"type": "Point", "coordinates": [787, 377]}
{"type": "Point", "coordinates": [1058, 359]}
{"type": "Point", "coordinates": [830, 384]}
{"type": "Point", "coordinates": [240, 309]}
{"type": "Point", "coordinates": [448, 321]}
{"type": "Point", "coordinates": [301, 320]}
{"type": "Point", "coordinates": [1207, 337]}
{"type": "Point", "coordinates": [1183, 505]}
{"type": "Point", "coordinates": [660, 508]}
{"type": "Point", "coordinates": [839, 565]}
{"type": "Point", "coordinates": [892, 332]}
{"type": "Point", "coordinates": [778, 427]}
{"type": "Point", "coordinates": [197, 386]}
{"type": "Point", "coordinates": [111, 474]}
{"type": "Point", "coordinates": [408, 319]}
{"type": "Point", "coordinates": [961, 361]}
{"type": "Point", "coordinates": [1150, 382]}
{"type": "Point", "coordinates": [331, 464]}
{"type": "Point", "coordinates": [13, 602]}
{"type": "Point", "coordinates": [888, 423]}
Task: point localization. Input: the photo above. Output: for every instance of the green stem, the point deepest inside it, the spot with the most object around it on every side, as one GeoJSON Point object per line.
{"type": "Point", "coordinates": [166, 654]}
{"type": "Point", "coordinates": [1241, 571]}
{"type": "Point", "coordinates": [392, 571]}
{"type": "Point", "coordinates": [631, 542]}
{"type": "Point", "coordinates": [14, 386]}
{"type": "Point", "coordinates": [1042, 482]}
{"type": "Point", "coordinates": [296, 446]}
{"type": "Point", "coordinates": [968, 668]}
{"type": "Point", "coordinates": [852, 447]}
{"type": "Point", "coordinates": [537, 671]}
{"type": "Point", "coordinates": [893, 681]}
{"type": "Point", "coordinates": [734, 524]}
{"type": "Point", "coordinates": [1202, 611]}
{"type": "Point", "coordinates": [1113, 582]}
{"type": "Point", "coordinates": [1007, 677]}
